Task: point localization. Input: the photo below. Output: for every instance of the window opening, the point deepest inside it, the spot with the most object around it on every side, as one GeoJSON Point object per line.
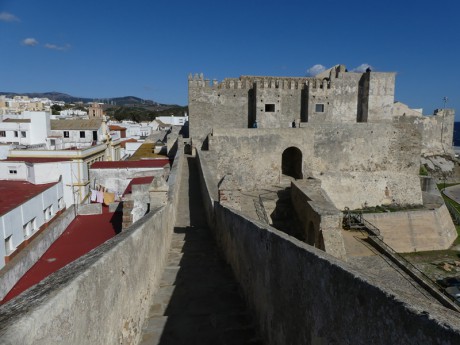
{"type": "Point", "coordinates": [319, 108]}
{"type": "Point", "coordinates": [269, 108]}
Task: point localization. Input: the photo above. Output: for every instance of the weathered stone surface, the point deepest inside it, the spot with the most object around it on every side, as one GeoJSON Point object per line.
{"type": "Point", "coordinates": [419, 230]}
{"type": "Point", "coordinates": [357, 164]}
{"type": "Point", "coordinates": [302, 295]}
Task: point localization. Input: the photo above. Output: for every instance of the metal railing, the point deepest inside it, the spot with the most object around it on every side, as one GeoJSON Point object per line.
{"type": "Point", "coordinates": [455, 214]}
{"type": "Point", "coordinates": [435, 290]}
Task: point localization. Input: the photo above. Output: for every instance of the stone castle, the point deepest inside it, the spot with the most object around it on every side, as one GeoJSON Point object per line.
{"type": "Point", "coordinates": [352, 141]}
{"type": "Point", "coordinates": [352, 147]}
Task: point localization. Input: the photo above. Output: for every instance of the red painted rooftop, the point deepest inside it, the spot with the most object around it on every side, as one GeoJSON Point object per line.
{"type": "Point", "coordinates": [36, 159]}
{"type": "Point", "coordinates": [146, 163]}
{"type": "Point", "coordinates": [15, 193]}
{"type": "Point", "coordinates": [137, 180]}
{"type": "Point", "coordinates": [131, 140]}
{"type": "Point", "coordinates": [82, 235]}
{"type": "Point", "coordinates": [116, 128]}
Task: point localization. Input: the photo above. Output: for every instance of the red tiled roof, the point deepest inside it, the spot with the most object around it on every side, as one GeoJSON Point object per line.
{"type": "Point", "coordinates": [136, 181]}
{"type": "Point", "coordinates": [15, 193]}
{"type": "Point", "coordinates": [116, 128]}
{"type": "Point", "coordinates": [147, 163]}
{"type": "Point", "coordinates": [82, 235]}
{"type": "Point", "coordinates": [35, 159]}
{"type": "Point", "coordinates": [123, 143]}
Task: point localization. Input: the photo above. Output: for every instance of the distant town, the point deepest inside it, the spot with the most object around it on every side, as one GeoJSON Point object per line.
{"type": "Point", "coordinates": [56, 155]}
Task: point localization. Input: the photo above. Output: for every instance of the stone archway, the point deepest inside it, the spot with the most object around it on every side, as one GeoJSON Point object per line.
{"type": "Point", "coordinates": [291, 162]}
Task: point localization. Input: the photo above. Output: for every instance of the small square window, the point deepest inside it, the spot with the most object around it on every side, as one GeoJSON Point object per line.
{"type": "Point", "coordinates": [23, 134]}
{"type": "Point", "coordinates": [66, 134]}
{"type": "Point", "coordinates": [16, 134]}
{"type": "Point", "coordinates": [2, 134]}
{"type": "Point", "coordinates": [82, 134]}
{"type": "Point", "coordinates": [269, 108]}
{"type": "Point", "coordinates": [319, 108]}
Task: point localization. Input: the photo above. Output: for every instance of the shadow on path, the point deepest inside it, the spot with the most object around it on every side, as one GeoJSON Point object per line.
{"type": "Point", "coordinates": [198, 301]}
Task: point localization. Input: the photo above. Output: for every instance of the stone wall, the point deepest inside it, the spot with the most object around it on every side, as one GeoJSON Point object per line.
{"type": "Point", "coordinates": [118, 179]}
{"type": "Point", "coordinates": [358, 164]}
{"type": "Point", "coordinates": [103, 297]}
{"type": "Point", "coordinates": [437, 132]}
{"type": "Point", "coordinates": [321, 221]}
{"type": "Point", "coordinates": [277, 101]}
{"type": "Point", "coordinates": [26, 258]}
{"type": "Point", "coordinates": [225, 104]}
{"type": "Point", "coordinates": [414, 231]}
{"type": "Point", "coordinates": [301, 295]}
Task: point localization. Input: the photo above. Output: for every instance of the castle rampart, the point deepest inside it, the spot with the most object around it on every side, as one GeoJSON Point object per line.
{"type": "Point", "coordinates": [301, 295]}
{"type": "Point", "coordinates": [103, 297]}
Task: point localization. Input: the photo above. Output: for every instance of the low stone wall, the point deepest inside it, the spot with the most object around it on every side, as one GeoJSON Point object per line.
{"type": "Point", "coordinates": [89, 209]}
{"type": "Point", "coordinates": [321, 221]}
{"type": "Point", "coordinates": [26, 258]}
{"type": "Point", "coordinates": [103, 297]}
{"type": "Point", "coordinates": [414, 231]}
{"type": "Point", "coordinates": [301, 295]}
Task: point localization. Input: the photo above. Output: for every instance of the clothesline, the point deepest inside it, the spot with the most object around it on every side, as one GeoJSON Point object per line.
{"type": "Point", "coordinates": [103, 195]}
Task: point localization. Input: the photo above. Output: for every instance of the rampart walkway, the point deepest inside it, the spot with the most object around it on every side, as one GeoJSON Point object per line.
{"type": "Point", "coordinates": [198, 300]}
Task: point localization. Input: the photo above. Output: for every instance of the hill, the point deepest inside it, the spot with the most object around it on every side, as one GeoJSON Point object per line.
{"type": "Point", "coordinates": [130, 101]}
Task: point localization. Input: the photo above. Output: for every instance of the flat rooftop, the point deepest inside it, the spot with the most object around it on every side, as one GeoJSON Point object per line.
{"type": "Point", "coordinates": [82, 235]}
{"type": "Point", "coordinates": [35, 159]}
{"type": "Point", "coordinates": [15, 193]}
{"type": "Point", "coordinates": [144, 163]}
{"type": "Point", "coordinates": [137, 181]}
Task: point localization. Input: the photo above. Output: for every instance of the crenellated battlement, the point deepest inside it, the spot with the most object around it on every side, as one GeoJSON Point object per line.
{"type": "Point", "coordinates": [249, 82]}
{"type": "Point", "coordinates": [319, 84]}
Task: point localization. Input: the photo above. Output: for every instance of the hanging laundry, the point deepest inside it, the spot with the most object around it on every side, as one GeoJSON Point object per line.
{"type": "Point", "coordinates": [109, 198]}
{"type": "Point", "coordinates": [100, 197]}
{"type": "Point", "coordinates": [93, 195]}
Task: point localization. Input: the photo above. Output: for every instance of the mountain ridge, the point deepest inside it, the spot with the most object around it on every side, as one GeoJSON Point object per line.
{"type": "Point", "coordinates": [64, 97]}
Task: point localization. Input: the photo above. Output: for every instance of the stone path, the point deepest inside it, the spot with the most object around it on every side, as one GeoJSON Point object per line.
{"type": "Point", "coordinates": [198, 301]}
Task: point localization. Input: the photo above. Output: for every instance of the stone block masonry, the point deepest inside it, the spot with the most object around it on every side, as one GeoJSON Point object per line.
{"type": "Point", "coordinates": [301, 295]}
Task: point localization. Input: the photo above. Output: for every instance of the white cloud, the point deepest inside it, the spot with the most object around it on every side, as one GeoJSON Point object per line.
{"type": "Point", "coordinates": [30, 42]}
{"type": "Point", "coordinates": [316, 69]}
{"type": "Point", "coordinates": [8, 17]}
{"type": "Point", "coordinates": [362, 68]}
{"type": "Point", "coordinates": [56, 47]}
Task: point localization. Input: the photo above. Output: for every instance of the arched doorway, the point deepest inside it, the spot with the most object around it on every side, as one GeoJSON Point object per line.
{"type": "Point", "coordinates": [291, 162]}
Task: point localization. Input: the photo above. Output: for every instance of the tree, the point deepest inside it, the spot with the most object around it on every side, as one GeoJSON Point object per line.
{"type": "Point", "coordinates": [55, 109]}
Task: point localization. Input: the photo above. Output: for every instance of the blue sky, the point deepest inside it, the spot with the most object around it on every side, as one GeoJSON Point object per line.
{"type": "Point", "coordinates": [147, 48]}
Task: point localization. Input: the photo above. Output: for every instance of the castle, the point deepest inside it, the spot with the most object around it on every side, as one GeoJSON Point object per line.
{"type": "Point", "coordinates": [352, 144]}
{"type": "Point", "coordinates": [298, 294]}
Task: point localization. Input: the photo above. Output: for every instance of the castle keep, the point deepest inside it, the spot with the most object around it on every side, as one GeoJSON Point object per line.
{"type": "Point", "coordinates": [352, 140]}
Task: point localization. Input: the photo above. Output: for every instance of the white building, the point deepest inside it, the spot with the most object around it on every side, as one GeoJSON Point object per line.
{"type": "Point", "coordinates": [79, 133]}
{"type": "Point", "coordinates": [29, 128]}
{"type": "Point", "coordinates": [133, 129]}
{"type": "Point", "coordinates": [72, 165]}
{"type": "Point", "coordinates": [25, 209]}
{"type": "Point", "coordinates": [173, 120]}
